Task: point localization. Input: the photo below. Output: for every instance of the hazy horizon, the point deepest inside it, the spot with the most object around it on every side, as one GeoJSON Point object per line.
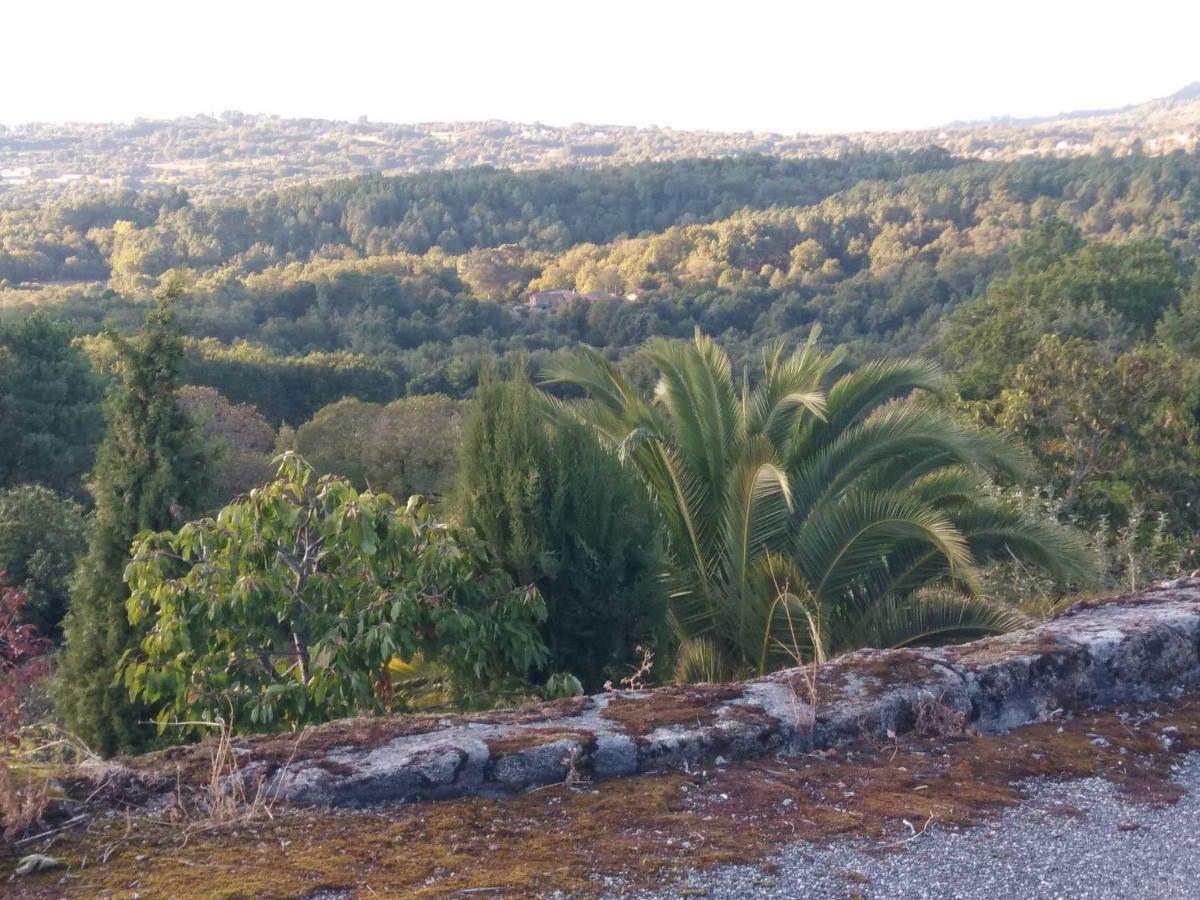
{"type": "Point", "coordinates": [879, 67]}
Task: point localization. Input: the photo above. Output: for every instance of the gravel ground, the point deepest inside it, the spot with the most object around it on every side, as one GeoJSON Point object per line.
{"type": "Point", "coordinates": [1079, 840]}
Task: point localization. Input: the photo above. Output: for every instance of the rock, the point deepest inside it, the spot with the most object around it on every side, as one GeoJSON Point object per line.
{"type": "Point", "coordinates": [37, 862]}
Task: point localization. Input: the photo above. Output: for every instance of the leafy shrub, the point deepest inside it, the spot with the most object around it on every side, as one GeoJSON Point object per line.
{"type": "Point", "coordinates": [23, 663]}
{"type": "Point", "coordinates": [287, 607]}
{"type": "Point", "coordinates": [561, 684]}
{"type": "Point", "coordinates": [1130, 555]}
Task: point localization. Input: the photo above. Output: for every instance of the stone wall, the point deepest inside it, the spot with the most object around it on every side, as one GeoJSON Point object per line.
{"type": "Point", "coordinates": [1139, 647]}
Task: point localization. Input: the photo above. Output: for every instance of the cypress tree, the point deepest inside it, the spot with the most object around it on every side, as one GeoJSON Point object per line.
{"type": "Point", "coordinates": [559, 511]}
{"type": "Point", "coordinates": [151, 473]}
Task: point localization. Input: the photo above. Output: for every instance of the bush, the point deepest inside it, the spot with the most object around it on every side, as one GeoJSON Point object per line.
{"type": "Point", "coordinates": [22, 660]}
{"type": "Point", "coordinates": [41, 537]}
{"type": "Point", "coordinates": [287, 607]}
{"type": "Point", "coordinates": [559, 511]}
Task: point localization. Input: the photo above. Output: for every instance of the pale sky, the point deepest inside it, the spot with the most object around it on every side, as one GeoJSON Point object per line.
{"type": "Point", "coordinates": [785, 66]}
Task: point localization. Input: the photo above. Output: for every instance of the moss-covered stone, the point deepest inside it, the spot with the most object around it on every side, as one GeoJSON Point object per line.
{"type": "Point", "coordinates": [641, 830]}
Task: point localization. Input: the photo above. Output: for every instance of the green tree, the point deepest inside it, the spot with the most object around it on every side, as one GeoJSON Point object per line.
{"type": "Point", "coordinates": [1048, 241]}
{"type": "Point", "coordinates": [239, 440]}
{"type": "Point", "coordinates": [496, 273]}
{"type": "Point", "coordinates": [49, 406]}
{"type": "Point", "coordinates": [1113, 433]}
{"type": "Point", "coordinates": [407, 447]}
{"type": "Point", "coordinates": [806, 514]}
{"type": "Point", "coordinates": [1113, 294]}
{"type": "Point", "coordinates": [1137, 281]}
{"type": "Point", "coordinates": [559, 511]}
{"type": "Point", "coordinates": [151, 473]}
{"type": "Point", "coordinates": [41, 539]}
{"type": "Point", "coordinates": [1179, 328]}
{"type": "Point", "coordinates": [287, 607]}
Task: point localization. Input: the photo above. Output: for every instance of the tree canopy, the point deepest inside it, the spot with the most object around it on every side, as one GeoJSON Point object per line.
{"type": "Point", "coordinates": [50, 416]}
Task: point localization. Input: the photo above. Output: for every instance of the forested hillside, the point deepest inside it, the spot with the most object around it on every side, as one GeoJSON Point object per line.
{"type": "Point", "coordinates": [324, 439]}
{"type": "Point", "coordinates": [235, 154]}
{"type": "Point", "coordinates": [380, 287]}
{"type": "Point", "coordinates": [129, 235]}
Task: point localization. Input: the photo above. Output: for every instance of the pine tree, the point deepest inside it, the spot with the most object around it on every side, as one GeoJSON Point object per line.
{"type": "Point", "coordinates": [151, 473]}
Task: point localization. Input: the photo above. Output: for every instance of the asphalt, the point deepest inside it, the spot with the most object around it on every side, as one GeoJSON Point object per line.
{"type": "Point", "coordinates": [1076, 840]}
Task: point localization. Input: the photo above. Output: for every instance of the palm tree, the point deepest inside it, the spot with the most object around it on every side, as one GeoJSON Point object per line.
{"type": "Point", "coordinates": [815, 512]}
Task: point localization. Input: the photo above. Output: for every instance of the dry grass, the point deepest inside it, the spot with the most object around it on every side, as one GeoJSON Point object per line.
{"type": "Point", "coordinates": [30, 760]}
{"type": "Point", "coordinates": [936, 718]}
{"type": "Point", "coordinates": [805, 686]}
{"type": "Point", "coordinates": [23, 801]}
{"type": "Point", "coordinates": [229, 796]}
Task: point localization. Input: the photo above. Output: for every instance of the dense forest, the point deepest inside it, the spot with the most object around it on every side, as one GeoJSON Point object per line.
{"type": "Point", "coordinates": [605, 409]}
{"type": "Point", "coordinates": [131, 235]}
{"type": "Point", "coordinates": [381, 287]}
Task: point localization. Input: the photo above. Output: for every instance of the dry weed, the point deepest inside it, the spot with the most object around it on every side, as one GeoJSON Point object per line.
{"type": "Point", "coordinates": [24, 799]}
{"type": "Point", "coordinates": [229, 796]}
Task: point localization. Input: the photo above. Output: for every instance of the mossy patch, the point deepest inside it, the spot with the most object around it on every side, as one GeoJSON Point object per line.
{"type": "Point", "coordinates": [693, 704]}
{"type": "Point", "coordinates": [1152, 594]}
{"type": "Point", "coordinates": [1000, 649]}
{"type": "Point", "coordinates": [532, 738]}
{"type": "Point", "coordinates": [641, 831]}
{"type": "Point", "coordinates": [866, 673]}
{"type": "Point", "coordinates": [748, 714]}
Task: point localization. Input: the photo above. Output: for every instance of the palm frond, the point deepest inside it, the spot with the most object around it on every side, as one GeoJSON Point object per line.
{"type": "Point", "coordinates": [906, 442]}
{"type": "Point", "coordinates": [847, 541]}
{"type": "Point", "coordinates": [928, 619]}
{"type": "Point", "coordinates": [758, 507]}
{"type": "Point", "coordinates": [859, 393]}
{"type": "Point", "coordinates": [996, 532]}
{"type": "Point", "coordinates": [806, 514]}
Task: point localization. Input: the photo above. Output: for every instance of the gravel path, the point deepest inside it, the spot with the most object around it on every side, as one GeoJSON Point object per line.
{"type": "Point", "coordinates": [1079, 840]}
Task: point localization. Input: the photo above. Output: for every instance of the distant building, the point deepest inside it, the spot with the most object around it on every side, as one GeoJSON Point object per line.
{"type": "Point", "coordinates": [548, 301]}
{"type": "Point", "coordinates": [545, 301]}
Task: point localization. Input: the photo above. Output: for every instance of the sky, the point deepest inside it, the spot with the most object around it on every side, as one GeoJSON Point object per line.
{"type": "Point", "coordinates": [787, 66]}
